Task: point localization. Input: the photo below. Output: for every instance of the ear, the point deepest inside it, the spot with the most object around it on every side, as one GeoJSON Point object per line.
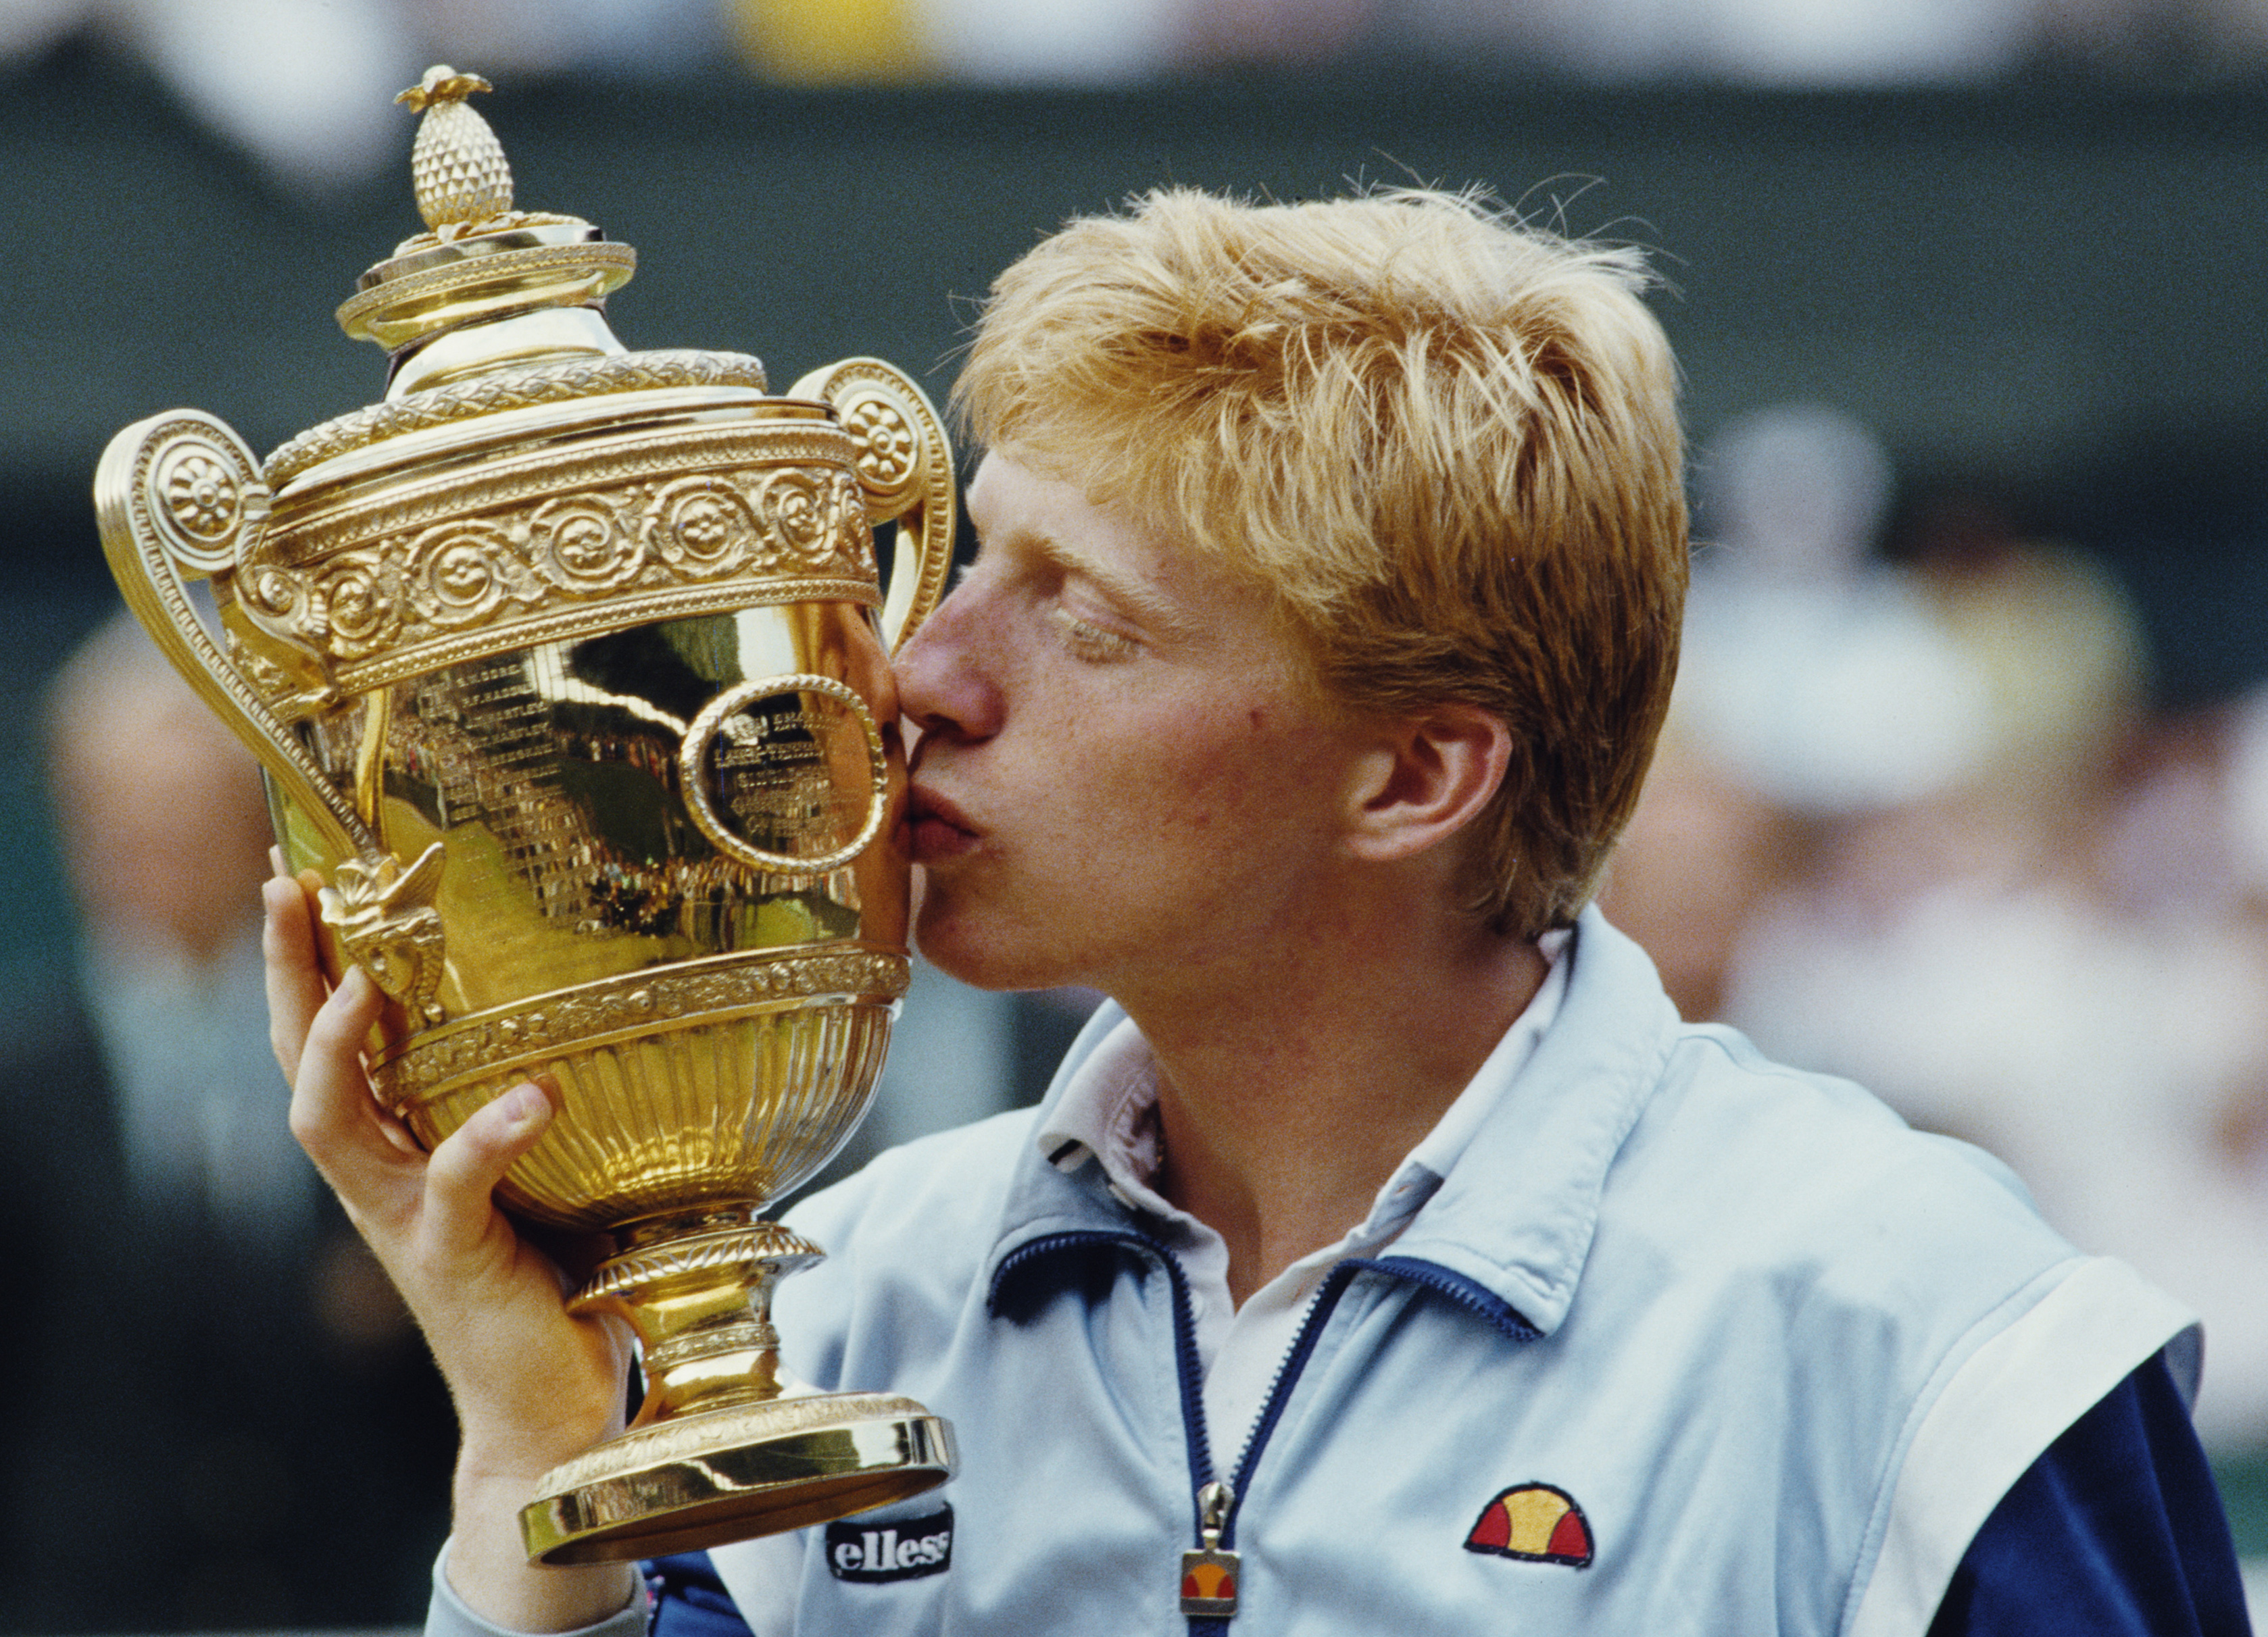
{"type": "Point", "coordinates": [1427, 775]}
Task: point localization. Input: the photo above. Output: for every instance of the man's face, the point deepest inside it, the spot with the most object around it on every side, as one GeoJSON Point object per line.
{"type": "Point", "coordinates": [1121, 780]}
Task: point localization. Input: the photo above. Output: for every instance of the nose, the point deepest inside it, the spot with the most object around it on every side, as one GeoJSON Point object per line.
{"type": "Point", "coordinates": [946, 686]}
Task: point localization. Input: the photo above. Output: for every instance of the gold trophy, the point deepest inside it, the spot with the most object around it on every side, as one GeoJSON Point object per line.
{"type": "Point", "coordinates": [569, 667]}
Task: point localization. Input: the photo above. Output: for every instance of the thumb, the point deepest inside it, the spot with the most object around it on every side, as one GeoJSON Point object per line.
{"type": "Point", "coordinates": [465, 1170]}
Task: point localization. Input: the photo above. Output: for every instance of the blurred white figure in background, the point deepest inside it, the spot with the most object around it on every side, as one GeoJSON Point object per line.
{"type": "Point", "coordinates": [31, 25]}
{"type": "Point", "coordinates": [1815, 684]}
{"type": "Point", "coordinates": [1785, 43]}
{"type": "Point", "coordinates": [307, 90]}
{"type": "Point", "coordinates": [1816, 678]}
{"type": "Point", "coordinates": [1802, 43]}
{"type": "Point", "coordinates": [1008, 42]}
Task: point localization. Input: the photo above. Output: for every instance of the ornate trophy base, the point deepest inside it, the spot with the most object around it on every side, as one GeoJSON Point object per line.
{"type": "Point", "coordinates": [725, 1447]}
{"type": "Point", "coordinates": [701, 1480]}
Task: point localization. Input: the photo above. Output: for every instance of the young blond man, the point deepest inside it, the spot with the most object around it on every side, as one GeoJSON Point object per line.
{"type": "Point", "coordinates": [1387, 1233]}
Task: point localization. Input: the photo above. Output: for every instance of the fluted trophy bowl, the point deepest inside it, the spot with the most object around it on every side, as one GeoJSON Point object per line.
{"type": "Point", "coordinates": [570, 670]}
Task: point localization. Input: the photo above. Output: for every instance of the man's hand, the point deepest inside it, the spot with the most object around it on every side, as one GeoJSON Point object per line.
{"type": "Point", "coordinates": [532, 1385]}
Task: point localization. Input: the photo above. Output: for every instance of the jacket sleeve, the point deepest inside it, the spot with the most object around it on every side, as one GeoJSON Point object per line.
{"type": "Point", "coordinates": [446, 1615]}
{"type": "Point", "coordinates": [2117, 1529]}
{"type": "Point", "coordinates": [688, 1599]}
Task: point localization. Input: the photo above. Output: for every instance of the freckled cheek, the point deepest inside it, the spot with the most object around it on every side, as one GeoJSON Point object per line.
{"type": "Point", "coordinates": [1233, 788]}
{"type": "Point", "coordinates": [1135, 781]}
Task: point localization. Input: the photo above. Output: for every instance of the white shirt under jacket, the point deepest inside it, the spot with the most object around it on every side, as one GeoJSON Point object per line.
{"type": "Point", "coordinates": [1781, 1354]}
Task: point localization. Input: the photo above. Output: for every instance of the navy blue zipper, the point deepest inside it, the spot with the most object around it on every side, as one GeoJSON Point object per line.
{"type": "Point", "coordinates": [1191, 1370]}
{"type": "Point", "coordinates": [1474, 1298]}
{"type": "Point", "coordinates": [1279, 1393]}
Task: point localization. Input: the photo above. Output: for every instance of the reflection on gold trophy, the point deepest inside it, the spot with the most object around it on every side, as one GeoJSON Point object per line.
{"type": "Point", "coordinates": [564, 665]}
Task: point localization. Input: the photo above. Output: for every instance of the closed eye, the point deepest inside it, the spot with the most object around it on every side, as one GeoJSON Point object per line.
{"type": "Point", "coordinates": [1090, 641]}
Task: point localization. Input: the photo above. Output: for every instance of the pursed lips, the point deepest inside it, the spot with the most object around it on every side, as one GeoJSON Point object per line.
{"type": "Point", "coordinates": [939, 830]}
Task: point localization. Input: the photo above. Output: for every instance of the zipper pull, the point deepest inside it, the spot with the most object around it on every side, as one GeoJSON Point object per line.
{"type": "Point", "coordinates": [1209, 1574]}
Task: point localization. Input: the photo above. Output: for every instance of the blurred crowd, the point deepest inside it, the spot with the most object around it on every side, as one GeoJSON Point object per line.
{"type": "Point", "coordinates": [303, 87]}
{"type": "Point", "coordinates": [216, 1413]}
{"type": "Point", "coordinates": [1914, 821]}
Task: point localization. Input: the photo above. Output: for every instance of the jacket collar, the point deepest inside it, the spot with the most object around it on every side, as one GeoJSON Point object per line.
{"type": "Point", "coordinates": [1516, 1214]}
{"type": "Point", "coordinates": [1512, 1222]}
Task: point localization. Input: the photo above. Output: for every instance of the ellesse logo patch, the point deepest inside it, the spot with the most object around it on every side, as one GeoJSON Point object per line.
{"type": "Point", "coordinates": [1539, 1522]}
{"type": "Point", "coordinates": [904, 1548]}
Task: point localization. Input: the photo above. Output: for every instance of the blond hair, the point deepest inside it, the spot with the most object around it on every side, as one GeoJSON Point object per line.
{"type": "Point", "coordinates": [1446, 442]}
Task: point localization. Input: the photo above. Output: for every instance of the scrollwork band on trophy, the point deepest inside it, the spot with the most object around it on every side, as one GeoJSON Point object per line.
{"type": "Point", "coordinates": [564, 662]}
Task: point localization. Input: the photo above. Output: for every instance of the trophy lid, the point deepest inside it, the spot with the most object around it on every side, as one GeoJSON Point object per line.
{"type": "Point", "coordinates": [491, 307]}
{"type": "Point", "coordinates": [479, 258]}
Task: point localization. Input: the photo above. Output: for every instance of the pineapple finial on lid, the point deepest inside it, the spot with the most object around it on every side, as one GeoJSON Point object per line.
{"type": "Point", "coordinates": [479, 259]}
{"type": "Point", "coordinates": [457, 165]}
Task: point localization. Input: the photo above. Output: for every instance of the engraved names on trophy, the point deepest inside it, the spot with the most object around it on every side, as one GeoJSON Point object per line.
{"type": "Point", "coordinates": [495, 763]}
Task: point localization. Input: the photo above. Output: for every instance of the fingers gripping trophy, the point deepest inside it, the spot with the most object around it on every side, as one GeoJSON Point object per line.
{"type": "Point", "coordinates": [568, 666]}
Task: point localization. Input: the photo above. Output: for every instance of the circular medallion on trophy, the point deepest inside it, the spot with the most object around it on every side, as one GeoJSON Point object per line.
{"type": "Point", "coordinates": [786, 773]}
{"type": "Point", "coordinates": [200, 491]}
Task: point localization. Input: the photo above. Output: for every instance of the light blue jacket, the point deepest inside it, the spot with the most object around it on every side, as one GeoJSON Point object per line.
{"type": "Point", "coordinates": [1778, 1354]}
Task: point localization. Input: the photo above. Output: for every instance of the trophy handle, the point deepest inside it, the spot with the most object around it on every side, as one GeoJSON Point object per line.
{"type": "Point", "coordinates": [905, 466]}
{"type": "Point", "coordinates": [179, 496]}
